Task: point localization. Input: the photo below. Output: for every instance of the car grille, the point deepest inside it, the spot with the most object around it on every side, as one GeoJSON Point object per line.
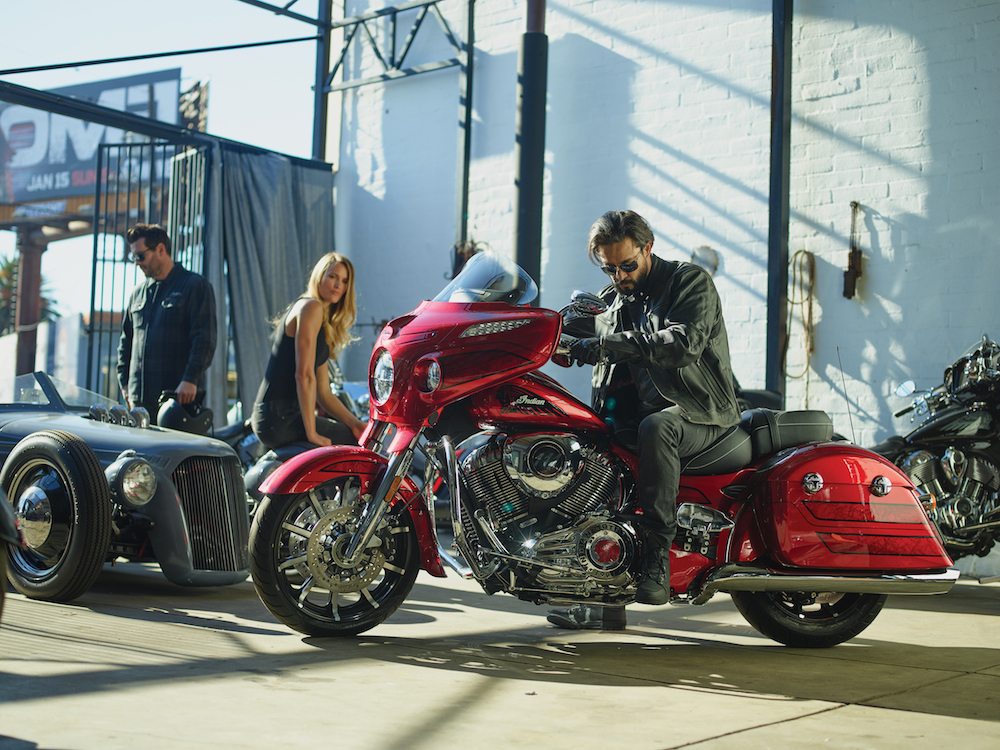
{"type": "Point", "coordinates": [215, 512]}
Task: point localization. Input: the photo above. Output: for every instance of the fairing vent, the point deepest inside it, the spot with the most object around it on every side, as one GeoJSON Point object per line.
{"type": "Point", "coordinates": [215, 512]}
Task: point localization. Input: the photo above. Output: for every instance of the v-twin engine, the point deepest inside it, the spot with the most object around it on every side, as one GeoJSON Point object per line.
{"type": "Point", "coordinates": [963, 492]}
{"type": "Point", "coordinates": [543, 512]}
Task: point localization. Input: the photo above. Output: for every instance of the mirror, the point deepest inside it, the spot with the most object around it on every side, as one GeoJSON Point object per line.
{"type": "Point", "coordinates": [587, 303]}
{"type": "Point", "coordinates": [906, 388]}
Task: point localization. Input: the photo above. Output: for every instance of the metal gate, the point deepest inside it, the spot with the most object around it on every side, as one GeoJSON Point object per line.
{"type": "Point", "coordinates": [144, 182]}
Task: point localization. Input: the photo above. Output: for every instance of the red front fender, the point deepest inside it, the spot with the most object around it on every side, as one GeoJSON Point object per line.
{"type": "Point", "coordinates": [308, 470]}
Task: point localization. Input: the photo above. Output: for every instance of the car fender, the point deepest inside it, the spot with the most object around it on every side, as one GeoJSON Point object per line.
{"type": "Point", "coordinates": [307, 470]}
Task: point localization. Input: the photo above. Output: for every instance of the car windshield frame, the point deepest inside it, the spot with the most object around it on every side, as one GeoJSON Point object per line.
{"type": "Point", "coordinates": [39, 390]}
{"type": "Point", "coordinates": [490, 277]}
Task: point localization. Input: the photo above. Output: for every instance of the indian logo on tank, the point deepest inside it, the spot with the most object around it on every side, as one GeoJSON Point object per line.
{"type": "Point", "coordinates": [514, 399]}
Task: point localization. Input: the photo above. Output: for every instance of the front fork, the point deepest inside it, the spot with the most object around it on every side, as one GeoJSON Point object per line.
{"type": "Point", "coordinates": [375, 510]}
{"type": "Point", "coordinates": [395, 473]}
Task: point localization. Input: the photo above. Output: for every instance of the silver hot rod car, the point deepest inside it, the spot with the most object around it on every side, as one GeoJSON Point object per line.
{"type": "Point", "coordinates": [90, 482]}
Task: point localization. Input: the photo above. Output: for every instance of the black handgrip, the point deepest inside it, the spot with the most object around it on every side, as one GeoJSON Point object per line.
{"type": "Point", "coordinates": [901, 412]}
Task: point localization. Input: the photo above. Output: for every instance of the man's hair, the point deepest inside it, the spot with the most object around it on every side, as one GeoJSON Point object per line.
{"type": "Point", "coordinates": [153, 234]}
{"type": "Point", "coordinates": [614, 227]}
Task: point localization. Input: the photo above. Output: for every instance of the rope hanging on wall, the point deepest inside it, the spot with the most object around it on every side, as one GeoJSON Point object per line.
{"type": "Point", "coordinates": [800, 299]}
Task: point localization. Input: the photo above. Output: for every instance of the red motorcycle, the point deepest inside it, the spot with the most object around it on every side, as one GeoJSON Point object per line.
{"type": "Point", "coordinates": [808, 535]}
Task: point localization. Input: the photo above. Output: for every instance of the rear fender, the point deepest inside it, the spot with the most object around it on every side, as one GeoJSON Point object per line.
{"type": "Point", "coordinates": [308, 470]}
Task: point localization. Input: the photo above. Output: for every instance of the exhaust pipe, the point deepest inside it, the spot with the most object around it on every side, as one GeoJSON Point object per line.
{"type": "Point", "coordinates": [749, 578]}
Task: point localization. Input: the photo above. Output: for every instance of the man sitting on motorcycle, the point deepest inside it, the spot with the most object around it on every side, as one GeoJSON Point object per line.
{"type": "Point", "coordinates": [662, 378]}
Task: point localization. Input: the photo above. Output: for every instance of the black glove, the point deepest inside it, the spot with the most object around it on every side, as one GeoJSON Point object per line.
{"type": "Point", "coordinates": [586, 351]}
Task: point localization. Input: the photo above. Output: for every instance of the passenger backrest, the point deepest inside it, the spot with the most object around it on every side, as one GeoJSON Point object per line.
{"type": "Point", "coordinates": [770, 431]}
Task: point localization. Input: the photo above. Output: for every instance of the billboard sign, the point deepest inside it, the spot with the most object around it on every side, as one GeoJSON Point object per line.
{"type": "Point", "coordinates": [45, 156]}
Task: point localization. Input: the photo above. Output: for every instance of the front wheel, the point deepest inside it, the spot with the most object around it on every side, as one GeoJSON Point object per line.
{"type": "Point", "coordinates": [808, 620]}
{"type": "Point", "coordinates": [296, 548]}
{"type": "Point", "coordinates": [61, 499]}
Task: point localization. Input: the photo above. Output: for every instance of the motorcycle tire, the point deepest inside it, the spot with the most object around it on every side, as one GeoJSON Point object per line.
{"type": "Point", "coordinates": [804, 620]}
{"type": "Point", "coordinates": [294, 541]}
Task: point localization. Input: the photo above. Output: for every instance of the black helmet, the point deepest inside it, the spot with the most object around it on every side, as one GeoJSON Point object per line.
{"type": "Point", "coordinates": [185, 417]}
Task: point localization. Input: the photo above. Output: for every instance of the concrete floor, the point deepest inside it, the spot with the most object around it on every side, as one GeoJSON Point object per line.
{"type": "Point", "coordinates": [139, 662]}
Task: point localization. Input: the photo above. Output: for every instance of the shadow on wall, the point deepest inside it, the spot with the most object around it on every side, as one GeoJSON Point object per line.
{"type": "Point", "coordinates": [588, 106]}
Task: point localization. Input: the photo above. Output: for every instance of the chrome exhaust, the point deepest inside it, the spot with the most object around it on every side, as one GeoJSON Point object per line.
{"type": "Point", "coordinates": [752, 578]}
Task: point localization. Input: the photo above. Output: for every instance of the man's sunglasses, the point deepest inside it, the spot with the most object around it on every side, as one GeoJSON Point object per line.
{"type": "Point", "coordinates": [139, 257]}
{"type": "Point", "coordinates": [627, 267]}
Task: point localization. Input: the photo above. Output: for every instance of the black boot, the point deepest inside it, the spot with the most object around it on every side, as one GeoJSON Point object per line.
{"type": "Point", "coordinates": [588, 617]}
{"type": "Point", "coordinates": [654, 583]}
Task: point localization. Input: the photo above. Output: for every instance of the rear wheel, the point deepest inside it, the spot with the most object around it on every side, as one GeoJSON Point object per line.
{"type": "Point", "coordinates": [808, 620]}
{"type": "Point", "coordinates": [297, 544]}
{"type": "Point", "coordinates": [63, 506]}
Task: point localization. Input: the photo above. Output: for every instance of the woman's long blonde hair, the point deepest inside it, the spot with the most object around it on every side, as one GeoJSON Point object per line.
{"type": "Point", "coordinates": [338, 318]}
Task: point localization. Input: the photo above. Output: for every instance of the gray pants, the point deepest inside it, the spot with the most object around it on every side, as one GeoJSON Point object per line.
{"type": "Point", "coordinates": [665, 438]}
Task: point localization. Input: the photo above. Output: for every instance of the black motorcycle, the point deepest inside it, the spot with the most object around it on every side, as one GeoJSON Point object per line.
{"type": "Point", "coordinates": [953, 457]}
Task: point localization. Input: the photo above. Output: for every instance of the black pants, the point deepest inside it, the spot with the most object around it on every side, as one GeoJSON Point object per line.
{"type": "Point", "coordinates": [665, 438]}
{"type": "Point", "coordinates": [278, 423]}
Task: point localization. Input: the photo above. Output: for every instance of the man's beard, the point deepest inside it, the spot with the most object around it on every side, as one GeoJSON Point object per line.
{"type": "Point", "coordinates": [635, 285]}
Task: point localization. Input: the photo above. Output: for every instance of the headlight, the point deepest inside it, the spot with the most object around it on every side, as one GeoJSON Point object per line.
{"type": "Point", "coordinates": [427, 374]}
{"type": "Point", "coordinates": [381, 381]}
{"type": "Point", "coordinates": [131, 480]}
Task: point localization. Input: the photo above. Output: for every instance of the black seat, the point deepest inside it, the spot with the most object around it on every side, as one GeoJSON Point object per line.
{"type": "Point", "coordinates": [760, 433]}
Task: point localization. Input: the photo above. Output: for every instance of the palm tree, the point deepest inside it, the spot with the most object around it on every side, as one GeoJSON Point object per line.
{"type": "Point", "coordinates": [8, 289]}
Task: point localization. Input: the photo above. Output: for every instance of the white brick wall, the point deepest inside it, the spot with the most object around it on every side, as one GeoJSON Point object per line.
{"type": "Point", "coordinates": [895, 107]}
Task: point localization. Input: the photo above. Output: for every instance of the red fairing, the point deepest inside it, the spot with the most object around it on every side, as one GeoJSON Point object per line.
{"type": "Point", "coordinates": [308, 470]}
{"type": "Point", "coordinates": [475, 345]}
{"type": "Point", "coordinates": [536, 400]}
{"type": "Point", "coordinates": [845, 524]}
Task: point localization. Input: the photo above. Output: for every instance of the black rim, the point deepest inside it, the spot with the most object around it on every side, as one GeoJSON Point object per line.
{"type": "Point", "coordinates": [40, 496]}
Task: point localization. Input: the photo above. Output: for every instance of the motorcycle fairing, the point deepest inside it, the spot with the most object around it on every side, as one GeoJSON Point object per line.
{"type": "Point", "coordinates": [308, 470]}
{"type": "Point", "coordinates": [820, 506]}
{"type": "Point", "coordinates": [470, 344]}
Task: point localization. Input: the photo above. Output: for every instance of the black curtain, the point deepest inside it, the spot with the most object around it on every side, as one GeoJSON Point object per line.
{"type": "Point", "coordinates": [272, 217]}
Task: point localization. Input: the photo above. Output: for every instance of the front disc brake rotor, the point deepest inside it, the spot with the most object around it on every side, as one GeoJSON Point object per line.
{"type": "Point", "coordinates": [328, 542]}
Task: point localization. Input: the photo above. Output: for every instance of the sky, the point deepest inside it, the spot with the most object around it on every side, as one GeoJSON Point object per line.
{"type": "Point", "coordinates": [262, 96]}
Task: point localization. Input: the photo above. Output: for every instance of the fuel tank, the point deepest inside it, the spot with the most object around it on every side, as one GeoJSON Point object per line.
{"type": "Point", "coordinates": [838, 506]}
{"type": "Point", "coordinates": [534, 399]}
{"type": "Point", "coordinates": [956, 423]}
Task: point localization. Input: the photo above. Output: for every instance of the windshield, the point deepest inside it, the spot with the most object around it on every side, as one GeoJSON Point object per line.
{"type": "Point", "coordinates": [35, 388]}
{"type": "Point", "coordinates": [490, 277]}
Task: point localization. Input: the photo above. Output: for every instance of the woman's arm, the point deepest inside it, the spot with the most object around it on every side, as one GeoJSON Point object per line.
{"type": "Point", "coordinates": [333, 405]}
{"type": "Point", "coordinates": [307, 318]}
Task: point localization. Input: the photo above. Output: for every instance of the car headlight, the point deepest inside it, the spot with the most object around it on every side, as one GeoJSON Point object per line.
{"type": "Point", "coordinates": [381, 380]}
{"type": "Point", "coordinates": [131, 480]}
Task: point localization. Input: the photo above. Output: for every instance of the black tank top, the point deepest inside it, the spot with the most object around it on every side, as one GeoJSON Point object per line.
{"type": "Point", "coordinates": [279, 378]}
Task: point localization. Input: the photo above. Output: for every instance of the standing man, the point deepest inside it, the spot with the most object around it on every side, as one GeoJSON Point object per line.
{"type": "Point", "coordinates": [168, 331]}
{"type": "Point", "coordinates": [662, 378]}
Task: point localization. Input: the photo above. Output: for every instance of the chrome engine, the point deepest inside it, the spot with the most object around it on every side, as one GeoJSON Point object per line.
{"type": "Point", "coordinates": [962, 494]}
{"type": "Point", "coordinates": [545, 504]}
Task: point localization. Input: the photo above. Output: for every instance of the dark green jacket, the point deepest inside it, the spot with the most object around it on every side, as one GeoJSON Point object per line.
{"type": "Point", "coordinates": [681, 341]}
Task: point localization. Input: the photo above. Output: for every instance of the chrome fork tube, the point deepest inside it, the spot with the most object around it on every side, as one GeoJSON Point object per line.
{"type": "Point", "coordinates": [379, 504]}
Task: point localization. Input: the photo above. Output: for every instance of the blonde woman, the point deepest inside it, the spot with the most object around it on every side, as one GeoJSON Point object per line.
{"type": "Point", "coordinates": [314, 328]}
